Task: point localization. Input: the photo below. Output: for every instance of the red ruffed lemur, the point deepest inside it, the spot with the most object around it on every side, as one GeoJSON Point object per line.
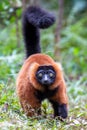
{"type": "Point", "coordinates": [40, 76]}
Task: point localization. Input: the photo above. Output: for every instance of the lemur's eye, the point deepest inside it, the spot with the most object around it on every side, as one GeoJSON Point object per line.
{"type": "Point", "coordinates": [51, 74]}
{"type": "Point", "coordinates": [40, 74]}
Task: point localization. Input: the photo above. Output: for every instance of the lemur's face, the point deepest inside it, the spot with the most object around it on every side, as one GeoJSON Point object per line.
{"type": "Point", "coordinates": [46, 75]}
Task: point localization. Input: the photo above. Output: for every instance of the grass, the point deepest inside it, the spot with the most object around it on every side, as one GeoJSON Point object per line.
{"type": "Point", "coordinates": [13, 118]}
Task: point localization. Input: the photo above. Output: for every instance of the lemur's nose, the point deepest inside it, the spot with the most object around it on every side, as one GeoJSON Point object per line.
{"type": "Point", "coordinates": [45, 80]}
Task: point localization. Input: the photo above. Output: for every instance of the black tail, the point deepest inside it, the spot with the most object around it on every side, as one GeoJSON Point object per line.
{"type": "Point", "coordinates": [33, 19]}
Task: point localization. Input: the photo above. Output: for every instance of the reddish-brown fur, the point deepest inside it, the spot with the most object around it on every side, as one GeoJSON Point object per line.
{"type": "Point", "coordinates": [27, 83]}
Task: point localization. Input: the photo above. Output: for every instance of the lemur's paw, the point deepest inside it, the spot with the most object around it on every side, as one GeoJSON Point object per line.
{"type": "Point", "coordinates": [62, 111]}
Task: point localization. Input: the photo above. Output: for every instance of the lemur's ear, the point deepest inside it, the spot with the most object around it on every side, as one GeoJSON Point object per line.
{"type": "Point", "coordinates": [32, 76]}
{"type": "Point", "coordinates": [33, 68]}
{"type": "Point", "coordinates": [59, 65]}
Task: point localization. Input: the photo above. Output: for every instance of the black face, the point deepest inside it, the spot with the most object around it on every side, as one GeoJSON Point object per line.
{"type": "Point", "coordinates": [46, 75]}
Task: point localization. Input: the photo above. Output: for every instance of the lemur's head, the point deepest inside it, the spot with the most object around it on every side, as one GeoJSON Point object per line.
{"type": "Point", "coordinates": [45, 75]}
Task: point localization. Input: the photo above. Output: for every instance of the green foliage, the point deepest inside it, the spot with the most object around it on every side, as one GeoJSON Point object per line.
{"type": "Point", "coordinates": [9, 66]}
{"type": "Point", "coordinates": [10, 60]}
{"type": "Point", "coordinates": [52, 5]}
{"type": "Point", "coordinates": [8, 40]}
{"type": "Point", "coordinates": [9, 10]}
{"type": "Point", "coordinates": [47, 40]}
{"type": "Point", "coordinates": [73, 47]}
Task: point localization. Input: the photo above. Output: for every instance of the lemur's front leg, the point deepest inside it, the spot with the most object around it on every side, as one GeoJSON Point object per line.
{"type": "Point", "coordinates": [60, 110]}
{"type": "Point", "coordinates": [60, 101]}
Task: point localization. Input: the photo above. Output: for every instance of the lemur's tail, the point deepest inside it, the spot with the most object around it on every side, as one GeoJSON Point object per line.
{"type": "Point", "coordinates": [33, 19]}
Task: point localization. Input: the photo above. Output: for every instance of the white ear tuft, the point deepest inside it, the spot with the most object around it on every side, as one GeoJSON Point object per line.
{"type": "Point", "coordinates": [59, 65]}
